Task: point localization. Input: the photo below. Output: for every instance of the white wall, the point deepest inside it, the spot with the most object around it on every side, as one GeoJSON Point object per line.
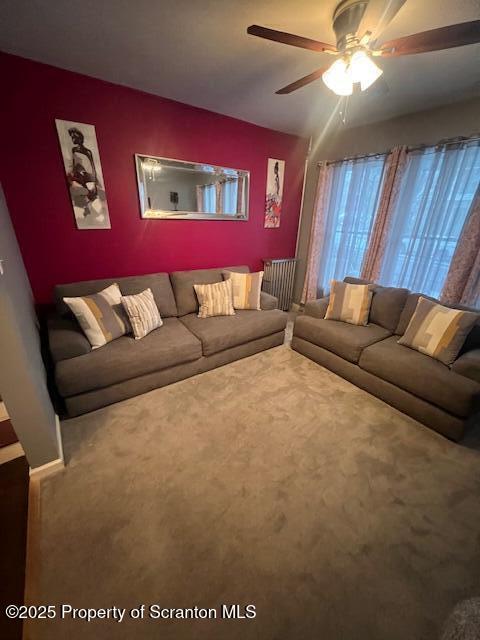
{"type": "Point", "coordinates": [23, 384]}
{"type": "Point", "coordinates": [424, 127]}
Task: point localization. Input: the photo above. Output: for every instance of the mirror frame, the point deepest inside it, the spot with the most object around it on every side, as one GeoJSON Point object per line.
{"type": "Point", "coordinates": [154, 214]}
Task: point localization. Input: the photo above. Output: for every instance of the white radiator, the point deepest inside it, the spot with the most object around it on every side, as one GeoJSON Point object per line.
{"type": "Point", "coordinates": [278, 280]}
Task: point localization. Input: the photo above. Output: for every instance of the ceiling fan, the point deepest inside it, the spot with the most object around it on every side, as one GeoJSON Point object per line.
{"type": "Point", "coordinates": [358, 24]}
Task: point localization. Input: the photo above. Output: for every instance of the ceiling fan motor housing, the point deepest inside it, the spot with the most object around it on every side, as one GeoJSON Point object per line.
{"type": "Point", "coordinates": [346, 20]}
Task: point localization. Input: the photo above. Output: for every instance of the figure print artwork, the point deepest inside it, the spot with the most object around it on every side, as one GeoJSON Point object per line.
{"type": "Point", "coordinates": [274, 196]}
{"type": "Point", "coordinates": [81, 159]}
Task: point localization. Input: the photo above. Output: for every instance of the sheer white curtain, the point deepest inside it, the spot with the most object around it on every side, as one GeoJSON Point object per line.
{"type": "Point", "coordinates": [209, 198]}
{"type": "Point", "coordinates": [229, 192]}
{"type": "Point", "coordinates": [435, 196]}
{"type": "Point", "coordinates": [353, 201]}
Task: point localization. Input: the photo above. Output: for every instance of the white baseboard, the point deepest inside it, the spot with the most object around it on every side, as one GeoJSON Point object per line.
{"type": "Point", "coordinates": [54, 466]}
{"type": "Point", "coordinates": [47, 469]}
{"type": "Point", "coordinates": [58, 434]}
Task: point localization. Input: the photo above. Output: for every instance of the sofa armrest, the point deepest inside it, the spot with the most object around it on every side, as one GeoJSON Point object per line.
{"type": "Point", "coordinates": [468, 365]}
{"type": "Point", "coordinates": [66, 339]}
{"type": "Point", "coordinates": [267, 301]}
{"type": "Point", "coordinates": [317, 308]}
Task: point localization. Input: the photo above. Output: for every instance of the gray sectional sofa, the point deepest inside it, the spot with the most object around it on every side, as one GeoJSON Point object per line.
{"type": "Point", "coordinates": [185, 345]}
{"type": "Point", "coordinates": [441, 397]}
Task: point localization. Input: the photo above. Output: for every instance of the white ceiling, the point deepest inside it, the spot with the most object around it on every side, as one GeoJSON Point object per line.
{"type": "Point", "coordinates": [198, 52]}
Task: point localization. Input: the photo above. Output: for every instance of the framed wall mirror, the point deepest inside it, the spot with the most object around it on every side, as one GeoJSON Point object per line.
{"type": "Point", "coordinates": [175, 189]}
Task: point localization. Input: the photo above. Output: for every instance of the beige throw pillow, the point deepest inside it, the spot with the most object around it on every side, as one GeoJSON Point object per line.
{"type": "Point", "coordinates": [100, 315]}
{"type": "Point", "coordinates": [215, 299]}
{"type": "Point", "coordinates": [143, 313]}
{"type": "Point", "coordinates": [349, 303]}
{"type": "Point", "coordinates": [246, 288]}
{"type": "Point", "coordinates": [438, 331]}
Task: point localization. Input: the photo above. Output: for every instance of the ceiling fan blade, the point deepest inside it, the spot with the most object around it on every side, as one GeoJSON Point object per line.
{"type": "Point", "coordinates": [298, 84]}
{"type": "Point", "coordinates": [455, 35]}
{"type": "Point", "coordinates": [378, 15]}
{"type": "Point", "coordinates": [290, 38]}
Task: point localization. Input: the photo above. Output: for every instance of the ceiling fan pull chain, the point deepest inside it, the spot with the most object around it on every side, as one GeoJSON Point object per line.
{"type": "Point", "coordinates": [343, 109]}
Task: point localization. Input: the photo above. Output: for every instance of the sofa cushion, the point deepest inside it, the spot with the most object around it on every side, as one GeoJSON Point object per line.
{"type": "Point", "coordinates": [246, 289]}
{"type": "Point", "coordinates": [101, 315]}
{"type": "Point", "coordinates": [468, 365]}
{"type": "Point", "coordinates": [215, 299]}
{"type": "Point", "coordinates": [317, 308]}
{"type": "Point", "coordinates": [142, 313]}
{"type": "Point", "coordinates": [411, 304]}
{"type": "Point", "coordinates": [387, 304]}
{"type": "Point", "coordinates": [421, 375]}
{"type": "Point", "coordinates": [222, 332]}
{"type": "Point", "coordinates": [353, 280]}
{"type": "Point", "coordinates": [183, 281]}
{"type": "Point", "coordinates": [159, 283]}
{"type": "Point", "coordinates": [349, 303]}
{"type": "Point", "coordinates": [65, 338]}
{"type": "Point", "coordinates": [127, 358]}
{"type": "Point", "coordinates": [438, 331]}
{"type": "Point", "coordinates": [267, 301]}
{"type": "Point", "coordinates": [346, 340]}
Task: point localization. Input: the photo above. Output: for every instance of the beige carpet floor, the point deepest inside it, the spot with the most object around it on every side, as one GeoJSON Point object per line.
{"type": "Point", "coordinates": [271, 482]}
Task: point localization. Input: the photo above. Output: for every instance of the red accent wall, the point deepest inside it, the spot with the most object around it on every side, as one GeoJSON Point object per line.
{"type": "Point", "coordinates": [127, 122]}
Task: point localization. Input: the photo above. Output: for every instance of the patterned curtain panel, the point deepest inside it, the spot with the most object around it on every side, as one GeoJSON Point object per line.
{"type": "Point", "coordinates": [218, 196]}
{"type": "Point", "coordinates": [462, 284]}
{"type": "Point", "coordinates": [240, 188]}
{"type": "Point", "coordinates": [394, 171]}
{"type": "Point", "coordinates": [200, 203]}
{"type": "Point", "coordinates": [317, 232]}
{"type": "Point", "coordinates": [472, 292]}
{"type": "Point", "coordinates": [435, 196]}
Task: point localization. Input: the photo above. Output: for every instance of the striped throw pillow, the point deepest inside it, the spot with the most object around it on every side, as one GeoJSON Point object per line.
{"type": "Point", "coordinates": [438, 331]}
{"type": "Point", "coordinates": [349, 303]}
{"type": "Point", "coordinates": [143, 313]}
{"type": "Point", "coordinates": [100, 315]}
{"type": "Point", "coordinates": [215, 299]}
{"type": "Point", "coordinates": [246, 288]}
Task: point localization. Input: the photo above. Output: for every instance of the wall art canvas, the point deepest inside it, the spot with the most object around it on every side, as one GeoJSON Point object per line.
{"type": "Point", "coordinates": [273, 203]}
{"type": "Point", "coordinates": [81, 159]}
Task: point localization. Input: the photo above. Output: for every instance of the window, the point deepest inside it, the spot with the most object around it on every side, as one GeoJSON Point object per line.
{"type": "Point", "coordinates": [356, 187]}
{"type": "Point", "coordinates": [434, 199]}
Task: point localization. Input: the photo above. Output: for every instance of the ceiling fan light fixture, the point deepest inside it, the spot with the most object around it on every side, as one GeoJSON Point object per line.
{"type": "Point", "coordinates": [338, 78]}
{"type": "Point", "coordinates": [363, 70]}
